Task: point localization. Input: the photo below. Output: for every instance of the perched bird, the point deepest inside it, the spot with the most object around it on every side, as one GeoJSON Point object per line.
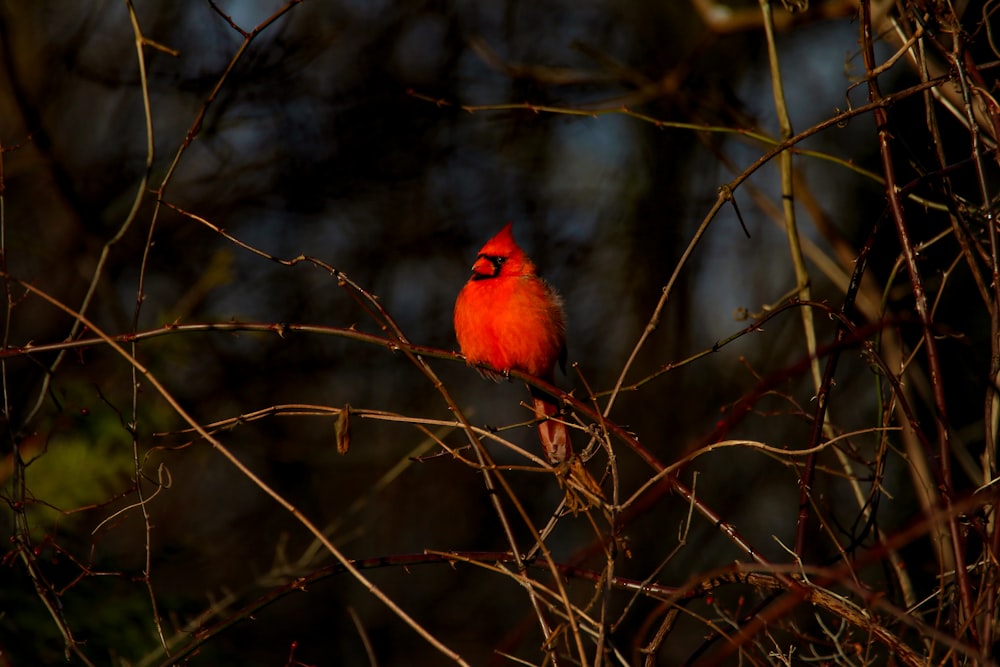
{"type": "Point", "coordinates": [507, 318]}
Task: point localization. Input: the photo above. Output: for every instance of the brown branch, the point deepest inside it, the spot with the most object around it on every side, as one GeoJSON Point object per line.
{"type": "Point", "coordinates": [920, 300]}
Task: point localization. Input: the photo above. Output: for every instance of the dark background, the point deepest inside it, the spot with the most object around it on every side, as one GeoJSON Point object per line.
{"type": "Point", "coordinates": [342, 133]}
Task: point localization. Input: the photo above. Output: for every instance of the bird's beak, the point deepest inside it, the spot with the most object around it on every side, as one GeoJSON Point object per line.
{"type": "Point", "coordinates": [484, 267]}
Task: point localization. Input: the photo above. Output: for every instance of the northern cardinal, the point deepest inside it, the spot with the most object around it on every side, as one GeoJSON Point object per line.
{"type": "Point", "coordinates": [507, 318]}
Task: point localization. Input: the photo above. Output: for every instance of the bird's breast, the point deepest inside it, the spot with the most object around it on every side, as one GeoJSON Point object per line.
{"type": "Point", "coordinates": [510, 324]}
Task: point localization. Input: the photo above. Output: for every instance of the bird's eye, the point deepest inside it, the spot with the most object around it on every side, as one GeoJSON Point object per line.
{"type": "Point", "coordinates": [500, 260]}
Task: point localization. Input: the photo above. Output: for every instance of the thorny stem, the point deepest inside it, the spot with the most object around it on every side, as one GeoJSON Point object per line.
{"type": "Point", "coordinates": [140, 195]}
{"type": "Point", "coordinates": [961, 60]}
{"type": "Point", "coordinates": [802, 281]}
{"type": "Point", "coordinates": [920, 301]}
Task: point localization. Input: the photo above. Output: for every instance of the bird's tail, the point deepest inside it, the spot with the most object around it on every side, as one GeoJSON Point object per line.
{"type": "Point", "coordinates": [554, 434]}
{"type": "Point", "coordinates": [582, 490]}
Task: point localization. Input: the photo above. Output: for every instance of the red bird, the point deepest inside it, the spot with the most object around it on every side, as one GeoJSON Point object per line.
{"type": "Point", "coordinates": [507, 318]}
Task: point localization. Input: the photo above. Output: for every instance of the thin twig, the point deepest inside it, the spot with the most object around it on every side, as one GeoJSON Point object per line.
{"type": "Point", "coordinates": [920, 301]}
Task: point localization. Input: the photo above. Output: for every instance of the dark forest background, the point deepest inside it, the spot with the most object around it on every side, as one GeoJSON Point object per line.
{"type": "Point", "coordinates": [235, 428]}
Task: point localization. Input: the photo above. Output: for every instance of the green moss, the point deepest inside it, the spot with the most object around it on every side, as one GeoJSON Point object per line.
{"type": "Point", "coordinates": [78, 468]}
